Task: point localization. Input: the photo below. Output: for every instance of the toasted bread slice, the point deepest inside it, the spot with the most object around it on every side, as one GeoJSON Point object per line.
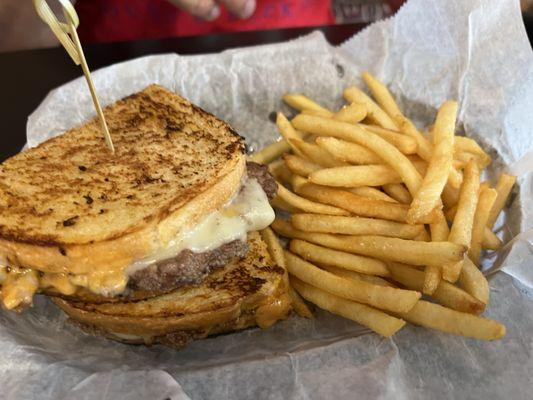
{"type": "Point", "coordinates": [247, 292]}
{"type": "Point", "coordinates": [69, 205]}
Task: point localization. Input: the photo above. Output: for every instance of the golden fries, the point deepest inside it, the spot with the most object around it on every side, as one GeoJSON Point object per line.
{"type": "Point", "coordinates": [385, 248]}
{"type": "Point", "coordinates": [276, 252]}
{"type": "Point", "coordinates": [446, 294]}
{"type": "Point", "coordinates": [320, 113]}
{"type": "Point", "coordinates": [300, 166]}
{"type": "Point", "coordinates": [352, 113]}
{"type": "Point", "coordinates": [287, 131]}
{"type": "Point", "coordinates": [279, 203]}
{"type": "Point", "coordinates": [487, 197]}
{"type": "Point", "coordinates": [354, 226]}
{"type": "Point", "coordinates": [371, 193]}
{"type": "Point", "coordinates": [323, 255]}
{"type": "Point", "coordinates": [358, 276]}
{"type": "Point", "coordinates": [316, 154]}
{"type": "Point", "coordinates": [474, 282]}
{"type": "Point", "coordinates": [347, 151]}
{"type": "Point", "coordinates": [354, 176]}
{"type": "Point", "coordinates": [374, 112]}
{"type": "Point", "coordinates": [301, 102]}
{"type": "Point", "coordinates": [368, 188]}
{"type": "Point", "coordinates": [464, 144]}
{"type": "Point", "coordinates": [403, 143]}
{"type": "Point", "coordinates": [358, 205]}
{"type": "Point", "coordinates": [503, 187]}
{"type": "Point", "coordinates": [461, 231]}
{"type": "Point", "coordinates": [428, 195]}
{"type": "Point", "coordinates": [381, 323]}
{"type": "Point", "coordinates": [385, 298]}
{"type": "Point", "coordinates": [398, 192]}
{"type": "Point", "coordinates": [271, 152]}
{"type": "Point", "coordinates": [390, 154]}
{"type": "Point", "coordinates": [307, 205]}
{"type": "Point", "coordinates": [433, 316]}
{"type": "Point", "coordinates": [279, 171]}
{"type": "Point", "coordinates": [381, 94]}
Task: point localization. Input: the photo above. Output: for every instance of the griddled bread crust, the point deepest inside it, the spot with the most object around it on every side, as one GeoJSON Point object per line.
{"type": "Point", "coordinates": [68, 204]}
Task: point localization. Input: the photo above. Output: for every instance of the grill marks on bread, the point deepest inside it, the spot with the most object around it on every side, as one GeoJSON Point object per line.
{"type": "Point", "coordinates": [70, 189]}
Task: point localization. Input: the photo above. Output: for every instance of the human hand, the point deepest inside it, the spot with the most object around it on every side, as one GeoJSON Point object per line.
{"type": "Point", "coordinates": [210, 9]}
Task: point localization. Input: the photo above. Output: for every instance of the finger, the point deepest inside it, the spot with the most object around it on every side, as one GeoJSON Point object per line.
{"type": "Point", "coordinates": [242, 8]}
{"type": "Point", "coordinates": [205, 9]}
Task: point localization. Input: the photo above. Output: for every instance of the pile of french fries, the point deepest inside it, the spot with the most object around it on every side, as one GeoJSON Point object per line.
{"type": "Point", "coordinates": [387, 223]}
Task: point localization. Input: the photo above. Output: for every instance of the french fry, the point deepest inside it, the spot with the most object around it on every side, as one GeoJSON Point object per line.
{"type": "Point", "coordinates": [398, 192]}
{"type": "Point", "coordinates": [439, 230]}
{"type": "Point", "coordinates": [297, 182]}
{"type": "Point", "coordinates": [279, 203]}
{"type": "Point", "coordinates": [299, 305]}
{"type": "Point", "coordinates": [384, 248]}
{"type": "Point", "coordinates": [279, 171]}
{"type": "Point", "coordinates": [372, 193]}
{"type": "Point", "coordinates": [461, 230]}
{"type": "Point", "coordinates": [474, 282]}
{"type": "Point", "coordinates": [382, 297]}
{"type": "Point", "coordinates": [390, 154]}
{"type": "Point", "coordinates": [349, 274]}
{"type": "Point", "coordinates": [431, 279]}
{"type": "Point", "coordinates": [487, 197]}
{"type": "Point", "coordinates": [503, 187]}
{"type": "Point", "coordinates": [428, 195]}
{"type": "Point", "coordinates": [381, 323]}
{"type": "Point", "coordinates": [423, 237]}
{"type": "Point", "coordinates": [439, 233]}
{"type": "Point", "coordinates": [381, 94]}
{"type": "Point", "coordinates": [354, 226]}
{"type": "Point", "coordinates": [450, 196]}
{"type": "Point", "coordinates": [352, 113]}
{"type": "Point", "coordinates": [348, 151]}
{"type": "Point", "coordinates": [490, 240]}
{"type": "Point", "coordinates": [300, 166]}
{"type": "Point", "coordinates": [446, 294]}
{"type": "Point", "coordinates": [406, 126]}
{"type": "Point", "coordinates": [287, 131]}
{"type": "Point", "coordinates": [355, 175]}
{"type": "Point", "coordinates": [322, 255]}
{"type": "Point", "coordinates": [424, 147]}
{"type": "Point", "coordinates": [319, 113]}
{"type": "Point", "coordinates": [374, 112]}
{"type": "Point", "coordinates": [469, 145]}
{"type": "Point", "coordinates": [307, 205]}
{"type": "Point", "coordinates": [274, 247]}
{"type": "Point", "coordinates": [358, 205]}
{"type": "Point", "coordinates": [301, 102]}
{"type": "Point", "coordinates": [434, 316]}
{"type": "Point", "coordinates": [403, 143]}
{"type": "Point", "coordinates": [316, 154]}
{"type": "Point", "coordinates": [270, 152]}
{"type": "Point", "coordinates": [465, 157]}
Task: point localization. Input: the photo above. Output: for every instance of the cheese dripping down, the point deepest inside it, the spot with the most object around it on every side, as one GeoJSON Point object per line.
{"type": "Point", "coordinates": [248, 211]}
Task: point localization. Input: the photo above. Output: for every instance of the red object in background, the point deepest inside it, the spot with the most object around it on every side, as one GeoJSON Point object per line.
{"type": "Point", "coordinates": [118, 20]}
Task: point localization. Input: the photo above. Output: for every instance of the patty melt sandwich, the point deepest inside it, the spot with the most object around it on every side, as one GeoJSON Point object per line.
{"type": "Point", "coordinates": [155, 244]}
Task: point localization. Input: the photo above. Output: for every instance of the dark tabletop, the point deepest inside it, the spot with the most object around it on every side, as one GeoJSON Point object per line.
{"type": "Point", "coordinates": [27, 76]}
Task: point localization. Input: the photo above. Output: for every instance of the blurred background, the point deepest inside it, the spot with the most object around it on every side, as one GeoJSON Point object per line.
{"type": "Point", "coordinates": [123, 20]}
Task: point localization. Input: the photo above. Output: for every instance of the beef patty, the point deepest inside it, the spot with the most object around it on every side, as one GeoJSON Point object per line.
{"type": "Point", "coordinates": [189, 268]}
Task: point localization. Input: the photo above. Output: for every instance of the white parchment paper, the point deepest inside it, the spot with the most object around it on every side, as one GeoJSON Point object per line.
{"type": "Point", "coordinates": [473, 51]}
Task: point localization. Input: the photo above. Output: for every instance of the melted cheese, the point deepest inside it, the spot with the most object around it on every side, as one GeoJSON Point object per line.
{"type": "Point", "coordinates": [248, 211]}
{"type": "Point", "coordinates": [18, 288]}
